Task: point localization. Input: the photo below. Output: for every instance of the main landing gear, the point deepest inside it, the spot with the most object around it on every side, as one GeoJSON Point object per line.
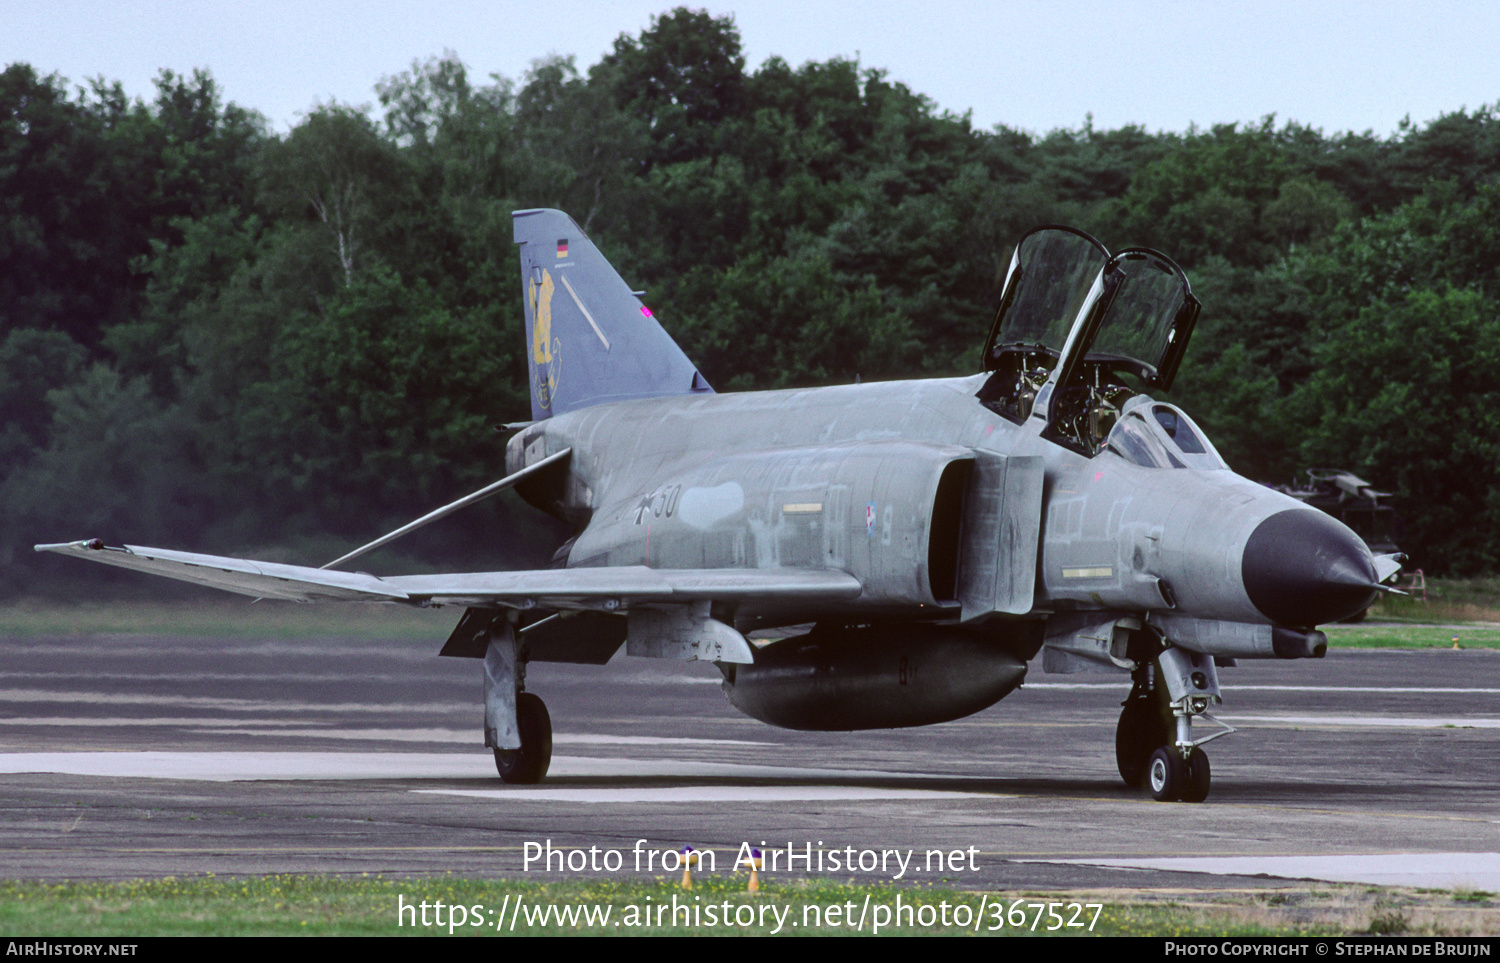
{"type": "Point", "coordinates": [1154, 742]}
{"type": "Point", "coordinates": [516, 723]}
{"type": "Point", "coordinates": [529, 763]}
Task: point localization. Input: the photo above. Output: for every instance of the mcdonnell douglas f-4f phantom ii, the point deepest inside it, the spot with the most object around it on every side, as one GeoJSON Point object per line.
{"type": "Point", "coordinates": [936, 535]}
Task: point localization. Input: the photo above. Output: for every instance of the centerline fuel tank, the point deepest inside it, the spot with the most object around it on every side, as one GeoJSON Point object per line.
{"type": "Point", "coordinates": [882, 676]}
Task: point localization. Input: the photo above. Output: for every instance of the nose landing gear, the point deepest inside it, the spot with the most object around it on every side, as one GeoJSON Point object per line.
{"type": "Point", "coordinates": [1154, 741]}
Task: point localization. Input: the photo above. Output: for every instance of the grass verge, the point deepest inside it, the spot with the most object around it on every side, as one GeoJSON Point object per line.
{"type": "Point", "coordinates": [371, 906]}
{"type": "Point", "coordinates": [1402, 635]}
{"type": "Point", "coordinates": [1443, 600]}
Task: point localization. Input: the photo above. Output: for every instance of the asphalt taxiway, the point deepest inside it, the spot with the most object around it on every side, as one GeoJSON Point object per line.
{"type": "Point", "coordinates": [131, 755]}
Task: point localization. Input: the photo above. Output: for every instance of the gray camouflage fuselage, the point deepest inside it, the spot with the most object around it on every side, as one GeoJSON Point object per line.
{"type": "Point", "coordinates": [847, 477]}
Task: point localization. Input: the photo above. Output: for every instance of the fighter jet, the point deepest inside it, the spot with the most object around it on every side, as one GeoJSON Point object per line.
{"type": "Point", "coordinates": [909, 547]}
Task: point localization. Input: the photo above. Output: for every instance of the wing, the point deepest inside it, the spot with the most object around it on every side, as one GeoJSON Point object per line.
{"type": "Point", "coordinates": [587, 589]}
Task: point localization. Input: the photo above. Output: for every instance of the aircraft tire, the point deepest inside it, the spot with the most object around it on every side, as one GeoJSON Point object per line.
{"type": "Point", "coordinates": [529, 763]}
{"type": "Point", "coordinates": [1138, 732]}
{"type": "Point", "coordinates": [1164, 774]}
{"type": "Point", "coordinates": [1196, 777]}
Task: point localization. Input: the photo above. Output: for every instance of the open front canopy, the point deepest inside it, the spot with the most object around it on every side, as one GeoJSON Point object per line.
{"type": "Point", "coordinates": [1050, 275]}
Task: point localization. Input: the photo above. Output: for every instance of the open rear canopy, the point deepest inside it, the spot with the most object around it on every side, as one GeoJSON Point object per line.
{"type": "Point", "coordinates": [1145, 314]}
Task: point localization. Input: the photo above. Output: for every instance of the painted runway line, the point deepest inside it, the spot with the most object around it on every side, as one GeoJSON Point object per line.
{"type": "Point", "coordinates": [586, 739]}
{"type": "Point", "coordinates": [1395, 722]}
{"type": "Point", "coordinates": [224, 703]}
{"type": "Point", "coordinates": [203, 724]}
{"type": "Point", "coordinates": [1326, 689]}
{"type": "Point", "coordinates": [242, 766]}
{"type": "Point", "coordinates": [249, 766]}
{"type": "Point", "coordinates": [692, 794]}
{"type": "Point", "coordinates": [312, 729]}
{"type": "Point", "coordinates": [468, 737]}
{"type": "Point", "coordinates": [317, 729]}
{"type": "Point", "coordinates": [1429, 870]}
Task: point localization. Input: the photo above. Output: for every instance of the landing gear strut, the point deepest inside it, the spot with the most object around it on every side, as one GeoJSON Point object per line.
{"type": "Point", "coordinates": [1154, 741]}
{"type": "Point", "coordinates": [516, 722]}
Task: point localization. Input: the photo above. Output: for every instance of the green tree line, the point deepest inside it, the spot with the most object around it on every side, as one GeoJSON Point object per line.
{"type": "Point", "coordinates": [219, 338]}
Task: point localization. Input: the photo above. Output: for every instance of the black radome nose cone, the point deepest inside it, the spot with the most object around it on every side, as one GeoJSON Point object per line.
{"type": "Point", "coordinates": [1303, 568]}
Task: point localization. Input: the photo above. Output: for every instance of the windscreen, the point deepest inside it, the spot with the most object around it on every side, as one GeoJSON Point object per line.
{"type": "Point", "coordinates": [1133, 440]}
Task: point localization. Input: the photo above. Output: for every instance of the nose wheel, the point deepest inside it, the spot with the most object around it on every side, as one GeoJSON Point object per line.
{"type": "Point", "coordinates": [1172, 778]}
{"type": "Point", "coordinates": [1154, 744]}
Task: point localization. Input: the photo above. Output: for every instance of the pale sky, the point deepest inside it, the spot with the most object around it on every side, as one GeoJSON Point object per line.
{"type": "Point", "coordinates": [1032, 65]}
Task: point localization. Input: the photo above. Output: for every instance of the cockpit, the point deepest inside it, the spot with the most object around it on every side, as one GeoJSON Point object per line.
{"type": "Point", "coordinates": [1156, 435]}
{"type": "Point", "coordinates": [1080, 334]}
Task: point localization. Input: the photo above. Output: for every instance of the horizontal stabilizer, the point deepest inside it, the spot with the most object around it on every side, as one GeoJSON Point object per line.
{"type": "Point", "coordinates": [596, 589]}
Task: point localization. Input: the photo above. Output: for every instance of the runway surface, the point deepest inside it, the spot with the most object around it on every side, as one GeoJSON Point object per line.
{"type": "Point", "coordinates": [128, 755]}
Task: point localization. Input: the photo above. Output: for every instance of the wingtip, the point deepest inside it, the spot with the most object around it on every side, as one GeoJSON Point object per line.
{"type": "Point", "coordinates": [90, 544]}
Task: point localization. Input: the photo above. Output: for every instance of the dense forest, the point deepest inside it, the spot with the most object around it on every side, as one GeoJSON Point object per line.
{"type": "Point", "coordinates": [220, 338]}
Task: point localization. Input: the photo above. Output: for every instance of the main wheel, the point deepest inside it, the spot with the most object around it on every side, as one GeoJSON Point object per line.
{"type": "Point", "coordinates": [1140, 730]}
{"type": "Point", "coordinates": [529, 763]}
{"type": "Point", "coordinates": [1196, 777]}
{"type": "Point", "coordinates": [1164, 774]}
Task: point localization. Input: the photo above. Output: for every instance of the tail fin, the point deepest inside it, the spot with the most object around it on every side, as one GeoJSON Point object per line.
{"type": "Point", "coordinates": [590, 340]}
